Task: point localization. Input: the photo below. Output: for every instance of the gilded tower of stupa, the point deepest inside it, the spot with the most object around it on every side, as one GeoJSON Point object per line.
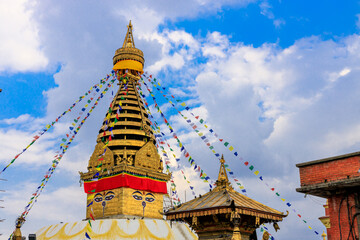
{"type": "Point", "coordinates": [124, 183]}
{"type": "Point", "coordinates": [125, 174]}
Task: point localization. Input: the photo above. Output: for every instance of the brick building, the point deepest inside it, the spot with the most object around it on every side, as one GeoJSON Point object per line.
{"type": "Point", "coordinates": [338, 180]}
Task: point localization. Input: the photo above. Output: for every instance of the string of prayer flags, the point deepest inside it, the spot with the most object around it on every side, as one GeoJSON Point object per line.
{"type": "Point", "coordinates": [48, 126]}
{"type": "Point", "coordinates": [204, 139]}
{"type": "Point", "coordinates": [58, 157]}
{"type": "Point", "coordinates": [264, 228]}
{"type": "Point", "coordinates": [162, 141]}
{"type": "Point", "coordinates": [231, 148]}
{"type": "Point", "coordinates": [205, 178]}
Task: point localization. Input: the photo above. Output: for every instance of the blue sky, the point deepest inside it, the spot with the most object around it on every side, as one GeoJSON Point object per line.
{"type": "Point", "coordinates": [279, 79]}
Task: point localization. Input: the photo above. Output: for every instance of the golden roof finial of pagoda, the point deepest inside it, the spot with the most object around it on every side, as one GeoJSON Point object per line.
{"type": "Point", "coordinates": [223, 181]}
{"type": "Point", "coordinates": [128, 56]}
{"type": "Point", "coordinates": [129, 39]}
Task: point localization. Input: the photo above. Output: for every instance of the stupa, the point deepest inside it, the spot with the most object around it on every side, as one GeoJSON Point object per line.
{"type": "Point", "coordinates": [125, 183]}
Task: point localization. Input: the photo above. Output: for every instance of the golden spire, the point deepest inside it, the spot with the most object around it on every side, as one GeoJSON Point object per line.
{"type": "Point", "coordinates": [129, 39]}
{"type": "Point", "coordinates": [129, 171]}
{"type": "Point", "coordinates": [128, 56]}
{"type": "Point", "coordinates": [223, 182]}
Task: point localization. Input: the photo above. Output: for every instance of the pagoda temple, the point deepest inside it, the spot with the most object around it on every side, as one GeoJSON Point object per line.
{"type": "Point", "coordinates": [224, 213]}
{"type": "Point", "coordinates": [125, 183]}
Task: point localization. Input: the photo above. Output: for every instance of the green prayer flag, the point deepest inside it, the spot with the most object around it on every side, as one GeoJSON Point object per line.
{"type": "Point", "coordinates": [251, 167]}
{"type": "Point", "coordinates": [226, 144]}
{"type": "Point", "coordinates": [201, 120]}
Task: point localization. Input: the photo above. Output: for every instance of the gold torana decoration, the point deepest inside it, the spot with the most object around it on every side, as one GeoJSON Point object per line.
{"type": "Point", "coordinates": [129, 144]}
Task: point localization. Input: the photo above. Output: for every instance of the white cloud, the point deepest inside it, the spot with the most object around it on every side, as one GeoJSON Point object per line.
{"type": "Point", "coordinates": [266, 10]}
{"type": "Point", "coordinates": [20, 47]}
{"type": "Point", "coordinates": [65, 204]}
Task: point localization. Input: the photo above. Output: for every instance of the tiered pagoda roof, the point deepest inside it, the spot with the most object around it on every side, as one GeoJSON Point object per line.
{"type": "Point", "coordinates": [224, 199]}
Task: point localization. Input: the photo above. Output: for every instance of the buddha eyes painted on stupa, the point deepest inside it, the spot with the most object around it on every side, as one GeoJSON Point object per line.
{"type": "Point", "coordinates": [108, 196]}
{"type": "Point", "coordinates": [149, 197]}
{"type": "Point", "coordinates": [98, 197]}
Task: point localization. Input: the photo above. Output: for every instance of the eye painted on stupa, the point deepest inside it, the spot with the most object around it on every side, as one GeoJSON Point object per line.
{"type": "Point", "coordinates": [109, 195]}
{"type": "Point", "coordinates": [98, 197]}
{"type": "Point", "coordinates": [137, 195]}
{"type": "Point", "coordinates": [149, 197]}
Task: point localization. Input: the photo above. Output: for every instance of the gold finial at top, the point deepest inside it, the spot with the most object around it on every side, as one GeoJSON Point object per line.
{"type": "Point", "coordinates": [128, 53]}
{"type": "Point", "coordinates": [223, 182]}
{"type": "Point", "coordinates": [222, 160]}
{"type": "Point", "coordinates": [129, 39]}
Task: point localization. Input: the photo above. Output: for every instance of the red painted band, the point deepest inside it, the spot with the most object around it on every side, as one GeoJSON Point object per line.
{"type": "Point", "coordinates": [125, 180]}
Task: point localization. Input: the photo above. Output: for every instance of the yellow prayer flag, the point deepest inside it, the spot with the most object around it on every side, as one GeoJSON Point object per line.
{"type": "Point", "coordinates": [183, 104]}
{"type": "Point", "coordinates": [205, 126]}
{"type": "Point", "coordinates": [100, 86]}
{"type": "Point", "coordinates": [283, 199]}
{"type": "Point", "coordinates": [241, 187]}
{"type": "Point", "coordinates": [86, 105]}
{"type": "Point", "coordinates": [310, 228]}
{"type": "Point", "coordinates": [200, 134]}
{"type": "Point", "coordinates": [213, 151]}
{"type": "Point", "coordinates": [159, 84]}
{"type": "Point", "coordinates": [231, 148]}
{"type": "Point", "coordinates": [256, 173]}
{"type": "Point", "coordinates": [98, 169]}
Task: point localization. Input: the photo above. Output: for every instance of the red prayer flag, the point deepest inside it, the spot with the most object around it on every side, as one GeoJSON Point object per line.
{"type": "Point", "coordinates": [92, 217]}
